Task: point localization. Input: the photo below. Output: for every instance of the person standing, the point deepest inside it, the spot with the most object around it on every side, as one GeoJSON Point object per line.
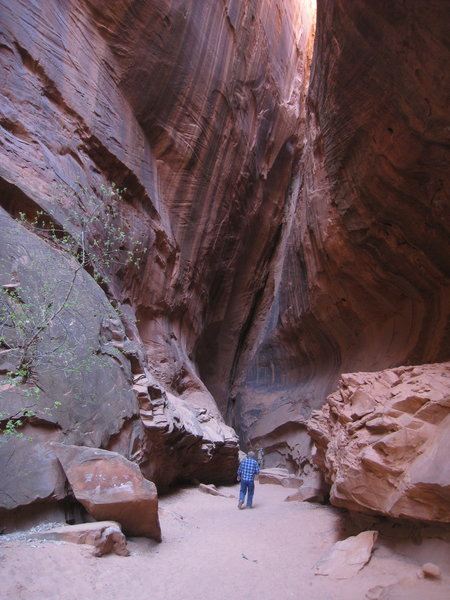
{"type": "Point", "coordinates": [246, 475]}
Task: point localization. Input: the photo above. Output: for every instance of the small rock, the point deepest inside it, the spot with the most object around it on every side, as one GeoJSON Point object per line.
{"type": "Point", "coordinates": [306, 494]}
{"type": "Point", "coordinates": [105, 536]}
{"type": "Point", "coordinates": [110, 540]}
{"type": "Point", "coordinates": [430, 570]}
{"type": "Point", "coordinates": [209, 489]}
{"type": "Point", "coordinates": [375, 593]}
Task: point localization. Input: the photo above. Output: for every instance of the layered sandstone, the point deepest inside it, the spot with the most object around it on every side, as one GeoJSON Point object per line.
{"type": "Point", "coordinates": [293, 232]}
{"type": "Point", "coordinates": [193, 107]}
{"type": "Point", "coordinates": [383, 441]}
{"type": "Point", "coordinates": [364, 280]}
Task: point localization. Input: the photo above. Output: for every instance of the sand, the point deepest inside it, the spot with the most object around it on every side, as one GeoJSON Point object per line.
{"type": "Point", "coordinates": [212, 550]}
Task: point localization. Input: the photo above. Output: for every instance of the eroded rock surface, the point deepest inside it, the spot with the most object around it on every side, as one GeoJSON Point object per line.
{"type": "Point", "coordinates": [296, 227]}
{"type": "Point", "coordinates": [382, 441]}
{"type": "Point", "coordinates": [192, 107]}
{"type": "Point", "coordinates": [105, 536]}
{"type": "Point", "coordinates": [111, 488]}
{"type": "Point", "coordinates": [364, 278]}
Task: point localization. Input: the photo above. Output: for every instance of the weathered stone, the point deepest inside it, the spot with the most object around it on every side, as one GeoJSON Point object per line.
{"type": "Point", "coordinates": [306, 494]}
{"type": "Point", "coordinates": [279, 477]}
{"type": "Point", "coordinates": [184, 441]}
{"type": "Point", "coordinates": [30, 473]}
{"type": "Point", "coordinates": [430, 570]}
{"type": "Point", "coordinates": [105, 536]}
{"type": "Point", "coordinates": [312, 489]}
{"type": "Point", "coordinates": [211, 489]}
{"type": "Point", "coordinates": [111, 488]}
{"type": "Point", "coordinates": [296, 227]}
{"type": "Point", "coordinates": [391, 458]}
{"type": "Point", "coordinates": [345, 559]}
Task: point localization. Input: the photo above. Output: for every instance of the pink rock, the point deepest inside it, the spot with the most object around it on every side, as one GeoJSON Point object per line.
{"type": "Point", "coordinates": [111, 487]}
{"type": "Point", "coordinates": [392, 456]}
{"type": "Point", "coordinates": [347, 557]}
{"type": "Point", "coordinates": [106, 536]}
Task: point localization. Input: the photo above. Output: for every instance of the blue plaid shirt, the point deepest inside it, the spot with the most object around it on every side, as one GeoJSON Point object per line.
{"type": "Point", "coordinates": [248, 469]}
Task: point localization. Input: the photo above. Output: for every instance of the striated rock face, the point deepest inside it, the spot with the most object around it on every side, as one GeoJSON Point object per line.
{"type": "Point", "coordinates": [193, 108]}
{"type": "Point", "coordinates": [364, 277]}
{"type": "Point", "coordinates": [383, 441]}
{"type": "Point", "coordinates": [292, 205]}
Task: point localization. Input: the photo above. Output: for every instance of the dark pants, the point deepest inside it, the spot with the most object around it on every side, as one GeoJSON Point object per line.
{"type": "Point", "coordinates": [249, 488]}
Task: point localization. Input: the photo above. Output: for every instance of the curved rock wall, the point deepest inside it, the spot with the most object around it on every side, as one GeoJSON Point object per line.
{"type": "Point", "coordinates": [193, 107]}
{"type": "Point", "coordinates": [365, 276]}
{"type": "Point", "coordinates": [293, 233]}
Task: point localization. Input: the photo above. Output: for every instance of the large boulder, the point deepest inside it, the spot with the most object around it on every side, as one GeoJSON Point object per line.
{"type": "Point", "coordinates": [111, 488]}
{"type": "Point", "coordinates": [383, 441]}
{"type": "Point", "coordinates": [41, 475]}
{"type": "Point", "coordinates": [183, 441]}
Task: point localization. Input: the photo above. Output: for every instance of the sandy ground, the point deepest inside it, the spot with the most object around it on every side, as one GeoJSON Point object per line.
{"type": "Point", "coordinates": [212, 550]}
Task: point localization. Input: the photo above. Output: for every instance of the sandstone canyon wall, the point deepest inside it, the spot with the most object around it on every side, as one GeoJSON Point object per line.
{"type": "Point", "coordinates": [293, 203]}
{"type": "Point", "coordinates": [364, 282]}
{"type": "Point", "coordinates": [193, 107]}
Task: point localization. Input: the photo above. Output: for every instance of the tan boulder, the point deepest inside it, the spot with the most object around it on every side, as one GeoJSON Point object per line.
{"type": "Point", "coordinates": [410, 589]}
{"type": "Point", "coordinates": [105, 536]}
{"type": "Point", "coordinates": [313, 488]}
{"type": "Point", "coordinates": [383, 441]}
{"type": "Point", "coordinates": [347, 557]}
{"type": "Point", "coordinates": [430, 570]}
{"type": "Point", "coordinates": [279, 476]}
{"type": "Point", "coordinates": [110, 487]}
{"type": "Point", "coordinates": [306, 494]}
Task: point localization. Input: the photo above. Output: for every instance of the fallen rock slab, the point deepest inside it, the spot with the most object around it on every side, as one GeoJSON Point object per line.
{"type": "Point", "coordinates": [279, 476]}
{"type": "Point", "coordinates": [110, 487]}
{"type": "Point", "coordinates": [105, 536]}
{"type": "Point", "coordinates": [347, 557]}
{"type": "Point", "coordinates": [429, 570]}
{"type": "Point", "coordinates": [306, 494]}
{"type": "Point", "coordinates": [313, 489]}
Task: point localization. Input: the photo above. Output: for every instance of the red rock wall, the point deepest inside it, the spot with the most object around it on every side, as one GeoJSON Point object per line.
{"type": "Point", "coordinates": [365, 277]}
{"type": "Point", "coordinates": [293, 234]}
{"type": "Point", "coordinates": [193, 107]}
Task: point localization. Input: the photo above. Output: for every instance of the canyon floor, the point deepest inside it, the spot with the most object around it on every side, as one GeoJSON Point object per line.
{"type": "Point", "coordinates": [211, 549]}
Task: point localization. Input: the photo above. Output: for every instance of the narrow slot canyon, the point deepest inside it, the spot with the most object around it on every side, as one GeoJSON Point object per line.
{"type": "Point", "coordinates": [224, 228]}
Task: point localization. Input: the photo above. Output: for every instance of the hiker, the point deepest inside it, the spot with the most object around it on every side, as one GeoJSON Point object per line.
{"type": "Point", "coordinates": [246, 475]}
